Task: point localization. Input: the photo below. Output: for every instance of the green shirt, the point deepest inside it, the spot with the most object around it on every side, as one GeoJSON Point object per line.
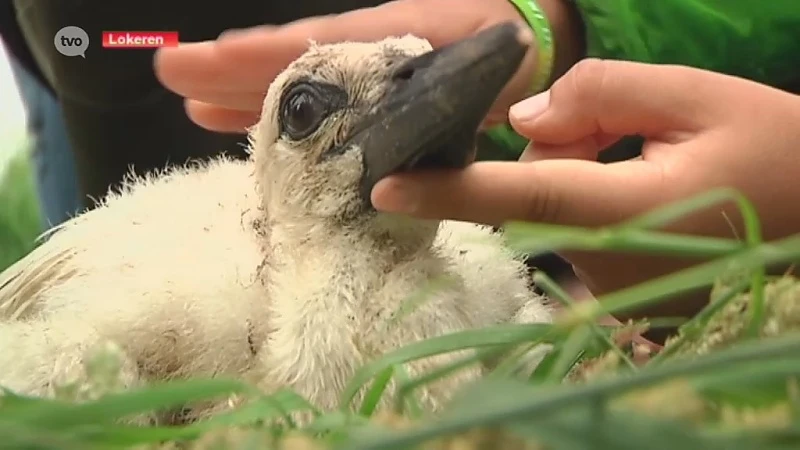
{"type": "Point", "coordinates": [758, 40]}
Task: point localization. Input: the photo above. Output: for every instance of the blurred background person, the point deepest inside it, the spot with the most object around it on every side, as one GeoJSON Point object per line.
{"type": "Point", "coordinates": [53, 164]}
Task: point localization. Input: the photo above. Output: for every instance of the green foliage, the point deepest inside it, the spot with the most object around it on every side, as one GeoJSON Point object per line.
{"type": "Point", "coordinates": [19, 210]}
{"type": "Point", "coordinates": [727, 381]}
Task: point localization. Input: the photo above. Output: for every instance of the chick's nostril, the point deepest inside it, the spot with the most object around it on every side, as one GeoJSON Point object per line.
{"type": "Point", "coordinates": [415, 66]}
{"type": "Point", "coordinates": [404, 74]}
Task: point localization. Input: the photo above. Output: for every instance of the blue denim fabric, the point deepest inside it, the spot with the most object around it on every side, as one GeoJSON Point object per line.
{"type": "Point", "coordinates": [56, 181]}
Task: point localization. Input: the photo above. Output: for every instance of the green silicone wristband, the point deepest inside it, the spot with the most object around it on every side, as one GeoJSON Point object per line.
{"type": "Point", "coordinates": [505, 138]}
{"type": "Point", "coordinates": [503, 135]}
{"type": "Point", "coordinates": [545, 46]}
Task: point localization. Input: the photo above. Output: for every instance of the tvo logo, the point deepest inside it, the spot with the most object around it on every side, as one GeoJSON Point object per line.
{"type": "Point", "coordinates": [71, 41]}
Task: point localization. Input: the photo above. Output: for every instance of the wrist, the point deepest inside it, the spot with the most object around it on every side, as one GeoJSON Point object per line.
{"type": "Point", "coordinates": [569, 45]}
{"type": "Point", "coordinates": [569, 34]}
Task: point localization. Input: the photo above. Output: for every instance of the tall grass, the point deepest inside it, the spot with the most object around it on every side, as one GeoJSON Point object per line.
{"type": "Point", "coordinates": [739, 392]}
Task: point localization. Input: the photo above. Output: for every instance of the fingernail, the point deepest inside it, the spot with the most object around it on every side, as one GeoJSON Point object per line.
{"type": "Point", "coordinates": [529, 154]}
{"type": "Point", "coordinates": [395, 195]}
{"type": "Point", "coordinates": [531, 107]}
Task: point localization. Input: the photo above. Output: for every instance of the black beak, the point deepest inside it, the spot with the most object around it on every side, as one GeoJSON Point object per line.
{"type": "Point", "coordinates": [430, 116]}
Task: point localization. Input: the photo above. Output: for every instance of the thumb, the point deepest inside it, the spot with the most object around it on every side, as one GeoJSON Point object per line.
{"type": "Point", "coordinates": [599, 98]}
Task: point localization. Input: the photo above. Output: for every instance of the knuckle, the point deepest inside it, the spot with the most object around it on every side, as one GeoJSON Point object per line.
{"type": "Point", "coordinates": [587, 78]}
{"type": "Point", "coordinates": [542, 203]}
{"type": "Point", "coordinates": [582, 86]}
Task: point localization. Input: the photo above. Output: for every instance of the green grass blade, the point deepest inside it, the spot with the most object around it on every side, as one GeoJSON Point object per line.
{"type": "Point", "coordinates": [14, 435]}
{"type": "Point", "coordinates": [116, 406]}
{"type": "Point", "coordinates": [512, 361]}
{"type": "Point", "coordinates": [570, 354]}
{"type": "Point", "coordinates": [577, 429]}
{"type": "Point", "coordinates": [408, 402]}
{"type": "Point", "coordinates": [659, 289]}
{"type": "Point", "coordinates": [489, 336]}
{"type": "Point", "coordinates": [260, 410]}
{"type": "Point", "coordinates": [409, 386]}
{"type": "Point", "coordinates": [538, 238]}
{"type": "Point", "coordinates": [336, 422]}
{"type": "Point", "coordinates": [524, 405]}
{"type": "Point", "coordinates": [766, 384]}
{"type": "Point", "coordinates": [694, 327]}
{"type": "Point", "coordinates": [553, 290]}
{"type": "Point", "coordinates": [668, 214]}
{"type": "Point", "coordinates": [631, 236]}
{"type": "Point", "coordinates": [376, 391]}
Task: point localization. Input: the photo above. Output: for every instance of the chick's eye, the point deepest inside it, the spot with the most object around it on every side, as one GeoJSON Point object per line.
{"type": "Point", "coordinates": [302, 113]}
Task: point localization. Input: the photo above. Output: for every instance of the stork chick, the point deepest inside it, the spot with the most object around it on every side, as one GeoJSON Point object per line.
{"type": "Point", "coordinates": [277, 270]}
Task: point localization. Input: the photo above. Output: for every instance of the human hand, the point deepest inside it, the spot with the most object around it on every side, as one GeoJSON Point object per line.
{"type": "Point", "coordinates": [703, 130]}
{"type": "Point", "coordinates": [224, 81]}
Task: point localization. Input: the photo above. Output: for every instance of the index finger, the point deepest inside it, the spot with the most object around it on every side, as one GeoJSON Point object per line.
{"type": "Point", "coordinates": [565, 192]}
{"type": "Point", "coordinates": [248, 60]}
